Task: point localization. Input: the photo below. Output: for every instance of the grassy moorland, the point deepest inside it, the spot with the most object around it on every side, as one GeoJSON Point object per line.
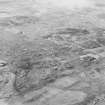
{"type": "Point", "coordinates": [55, 59]}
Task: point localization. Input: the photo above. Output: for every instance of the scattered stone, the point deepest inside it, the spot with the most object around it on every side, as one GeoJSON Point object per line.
{"type": "Point", "coordinates": [3, 63]}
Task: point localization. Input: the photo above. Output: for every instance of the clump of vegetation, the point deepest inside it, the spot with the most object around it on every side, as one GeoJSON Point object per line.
{"type": "Point", "coordinates": [22, 20]}
{"type": "Point", "coordinates": [101, 40]}
{"type": "Point", "coordinates": [74, 31]}
{"type": "Point", "coordinates": [18, 21]}
{"type": "Point", "coordinates": [42, 61]}
{"type": "Point", "coordinates": [33, 68]}
{"type": "Point", "coordinates": [88, 61]}
{"type": "Point", "coordinates": [88, 100]}
{"type": "Point", "coordinates": [90, 44]}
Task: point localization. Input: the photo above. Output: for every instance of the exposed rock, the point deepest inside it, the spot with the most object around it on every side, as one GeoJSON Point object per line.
{"type": "Point", "coordinates": [6, 85]}
{"type": "Point", "coordinates": [65, 82]}
{"type": "Point", "coordinates": [3, 102]}
{"type": "Point", "coordinates": [80, 86]}
{"type": "Point", "coordinates": [90, 44]}
{"type": "Point", "coordinates": [67, 97]}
